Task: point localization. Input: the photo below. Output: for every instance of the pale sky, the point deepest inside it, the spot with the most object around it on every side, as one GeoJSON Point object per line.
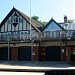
{"type": "Point", "coordinates": [44, 9]}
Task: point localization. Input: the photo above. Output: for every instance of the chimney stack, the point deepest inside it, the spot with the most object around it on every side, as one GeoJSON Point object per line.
{"type": "Point", "coordinates": [65, 19]}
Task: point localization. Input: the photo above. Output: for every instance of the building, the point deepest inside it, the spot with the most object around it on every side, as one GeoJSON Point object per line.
{"type": "Point", "coordinates": [69, 38]}
{"type": "Point", "coordinates": [22, 41]}
{"type": "Point", "coordinates": [15, 41]}
{"type": "Point", "coordinates": [58, 41]}
{"type": "Point", "coordinates": [52, 47]}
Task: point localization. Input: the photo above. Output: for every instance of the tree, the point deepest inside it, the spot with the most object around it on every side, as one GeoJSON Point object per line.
{"type": "Point", "coordinates": [41, 22]}
{"type": "Point", "coordinates": [35, 18]}
{"type": "Point", "coordinates": [70, 21]}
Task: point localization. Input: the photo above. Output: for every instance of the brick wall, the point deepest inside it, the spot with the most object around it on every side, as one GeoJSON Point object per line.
{"type": "Point", "coordinates": [14, 56]}
{"type": "Point", "coordinates": [35, 53]}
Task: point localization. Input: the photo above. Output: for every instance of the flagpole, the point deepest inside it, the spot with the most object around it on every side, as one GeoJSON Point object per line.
{"type": "Point", "coordinates": [30, 19]}
{"type": "Point", "coordinates": [31, 35]}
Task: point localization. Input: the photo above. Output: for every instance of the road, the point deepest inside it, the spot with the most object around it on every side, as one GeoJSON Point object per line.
{"type": "Point", "coordinates": [21, 73]}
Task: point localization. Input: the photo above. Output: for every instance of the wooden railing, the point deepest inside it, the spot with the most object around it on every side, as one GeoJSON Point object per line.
{"type": "Point", "coordinates": [69, 34]}
{"type": "Point", "coordinates": [17, 38]}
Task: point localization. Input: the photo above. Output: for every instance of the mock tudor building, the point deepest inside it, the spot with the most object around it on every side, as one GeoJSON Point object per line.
{"type": "Point", "coordinates": [15, 40]}
{"type": "Point", "coordinates": [22, 41]}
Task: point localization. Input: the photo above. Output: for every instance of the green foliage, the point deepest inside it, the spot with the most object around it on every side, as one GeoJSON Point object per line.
{"type": "Point", "coordinates": [41, 22]}
{"type": "Point", "coordinates": [35, 18]}
{"type": "Point", "coordinates": [70, 21]}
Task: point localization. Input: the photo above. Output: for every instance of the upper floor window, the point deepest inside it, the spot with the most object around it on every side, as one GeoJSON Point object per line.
{"type": "Point", "coordinates": [15, 18]}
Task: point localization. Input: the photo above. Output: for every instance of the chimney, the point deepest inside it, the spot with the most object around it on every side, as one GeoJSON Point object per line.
{"type": "Point", "coordinates": [65, 19]}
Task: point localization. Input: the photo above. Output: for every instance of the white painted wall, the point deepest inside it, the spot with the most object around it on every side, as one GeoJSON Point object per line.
{"type": "Point", "coordinates": [28, 26]}
{"type": "Point", "coordinates": [12, 28]}
{"type": "Point", "coordinates": [9, 27]}
{"type": "Point", "coordinates": [68, 26]}
{"type": "Point", "coordinates": [2, 28]}
{"type": "Point", "coordinates": [24, 24]}
{"type": "Point", "coordinates": [17, 27]}
{"type": "Point", "coordinates": [20, 26]}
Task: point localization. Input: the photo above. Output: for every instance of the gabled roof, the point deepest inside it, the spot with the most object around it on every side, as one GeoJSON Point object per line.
{"type": "Point", "coordinates": [52, 20]}
{"type": "Point", "coordinates": [34, 24]}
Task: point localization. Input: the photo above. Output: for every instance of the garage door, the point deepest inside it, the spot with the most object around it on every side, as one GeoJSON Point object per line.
{"type": "Point", "coordinates": [4, 53]}
{"type": "Point", "coordinates": [24, 54]}
{"type": "Point", "coordinates": [53, 53]}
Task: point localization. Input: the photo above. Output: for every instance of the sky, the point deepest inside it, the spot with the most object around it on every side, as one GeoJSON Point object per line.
{"type": "Point", "coordinates": [44, 9]}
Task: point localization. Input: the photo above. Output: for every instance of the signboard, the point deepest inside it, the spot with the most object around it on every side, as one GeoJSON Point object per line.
{"type": "Point", "coordinates": [62, 50]}
{"type": "Point", "coordinates": [74, 52]}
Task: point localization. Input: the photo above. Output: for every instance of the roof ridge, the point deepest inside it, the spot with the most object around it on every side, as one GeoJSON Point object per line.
{"type": "Point", "coordinates": [28, 17]}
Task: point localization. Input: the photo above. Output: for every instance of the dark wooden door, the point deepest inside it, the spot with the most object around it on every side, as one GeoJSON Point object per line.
{"type": "Point", "coordinates": [53, 53]}
{"type": "Point", "coordinates": [24, 54]}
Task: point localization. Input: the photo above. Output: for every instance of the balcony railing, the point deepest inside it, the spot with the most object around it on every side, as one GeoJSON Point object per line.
{"type": "Point", "coordinates": [17, 38]}
{"type": "Point", "coordinates": [58, 34]}
{"type": "Point", "coordinates": [69, 34]}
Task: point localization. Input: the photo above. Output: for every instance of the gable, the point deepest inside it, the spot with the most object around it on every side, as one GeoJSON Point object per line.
{"type": "Point", "coordinates": [23, 22]}
{"type": "Point", "coordinates": [52, 26]}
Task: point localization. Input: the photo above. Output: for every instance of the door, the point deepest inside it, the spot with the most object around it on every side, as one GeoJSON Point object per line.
{"type": "Point", "coordinates": [14, 54]}
{"type": "Point", "coordinates": [24, 54]}
{"type": "Point", "coordinates": [4, 53]}
{"type": "Point", "coordinates": [53, 53]}
{"type": "Point", "coordinates": [42, 54]}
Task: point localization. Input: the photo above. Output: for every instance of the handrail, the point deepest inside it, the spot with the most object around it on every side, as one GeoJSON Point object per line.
{"type": "Point", "coordinates": [44, 35]}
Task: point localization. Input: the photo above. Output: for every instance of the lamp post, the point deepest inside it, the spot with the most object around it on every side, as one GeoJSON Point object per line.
{"type": "Point", "coordinates": [30, 20]}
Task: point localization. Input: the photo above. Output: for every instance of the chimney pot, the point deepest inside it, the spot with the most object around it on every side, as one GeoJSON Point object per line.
{"type": "Point", "coordinates": [65, 19]}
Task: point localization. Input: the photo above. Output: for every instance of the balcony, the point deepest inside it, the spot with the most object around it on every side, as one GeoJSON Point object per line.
{"type": "Point", "coordinates": [57, 35]}
{"type": "Point", "coordinates": [17, 37]}
{"type": "Point", "coordinates": [49, 35]}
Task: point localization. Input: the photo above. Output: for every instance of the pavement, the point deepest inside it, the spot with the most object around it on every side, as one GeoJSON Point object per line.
{"type": "Point", "coordinates": [21, 73]}
{"type": "Point", "coordinates": [34, 65]}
